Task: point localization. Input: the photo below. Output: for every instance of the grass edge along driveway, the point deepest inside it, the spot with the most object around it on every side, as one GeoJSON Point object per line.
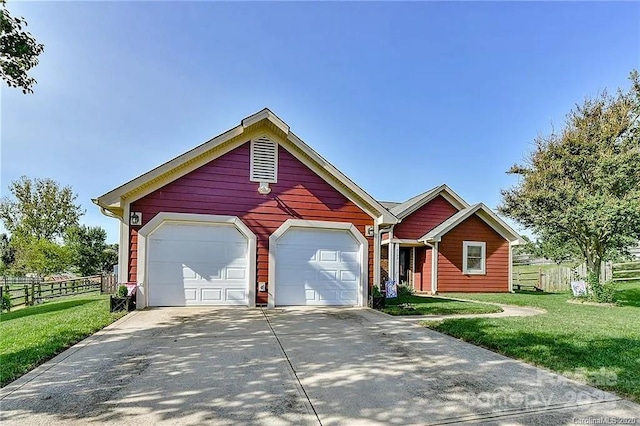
{"type": "Point", "coordinates": [35, 334]}
{"type": "Point", "coordinates": [597, 345]}
{"type": "Point", "coordinates": [425, 305]}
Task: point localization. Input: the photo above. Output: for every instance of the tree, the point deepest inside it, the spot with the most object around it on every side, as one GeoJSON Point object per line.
{"type": "Point", "coordinates": [109, 257]}
{"type": "Point", "coordinates": [87, 249]}
{"type": "Point", "coordinates": [582, 186]}
{"type": "Point", "coordinates": [40, 256]}
{"type": "Point", "coordinates": [554, 248]}
{"type": "Point", "coordinates": [7, 253]}
{"type": "Point", "coordinates": [41, 209]}
{"type": "Point", "coordinates": [18, 51]}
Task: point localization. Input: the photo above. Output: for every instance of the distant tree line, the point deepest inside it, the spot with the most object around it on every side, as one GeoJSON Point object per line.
{"type": "Point", "coordinates": [45, 235]}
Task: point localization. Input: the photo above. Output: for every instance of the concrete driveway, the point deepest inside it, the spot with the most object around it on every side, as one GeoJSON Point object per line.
{"type": "Point", "coordinates": [194, 366]}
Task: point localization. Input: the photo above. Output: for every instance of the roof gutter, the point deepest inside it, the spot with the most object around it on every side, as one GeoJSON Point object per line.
{"type": "Point", "coordinates": [105, 210]}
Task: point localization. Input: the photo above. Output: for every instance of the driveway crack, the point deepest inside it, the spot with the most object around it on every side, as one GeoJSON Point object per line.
{"type": "Point", "coordinates": [293, 370]}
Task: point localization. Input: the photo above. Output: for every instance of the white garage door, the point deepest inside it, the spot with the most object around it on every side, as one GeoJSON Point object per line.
{"type": "Point", "coordinates": [317, 267]}
{"type": "Point", "coordinates": [197, 264]}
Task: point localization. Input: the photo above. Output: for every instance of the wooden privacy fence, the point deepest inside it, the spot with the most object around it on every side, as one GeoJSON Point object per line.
{"type": "Point", "coordinates": [109, 284]}
{"type": "Point", "coordinates": [28, 291]}
{"type": "Point", "coordinates": [556, 279]}
{"type": "Point", "coordinates": [606, 271]}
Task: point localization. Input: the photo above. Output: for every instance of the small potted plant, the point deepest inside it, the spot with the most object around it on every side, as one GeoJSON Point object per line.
{"type": "Point", "coordinates": [123, 301]}
{"type": "Point", "coordinates": [378, 298]}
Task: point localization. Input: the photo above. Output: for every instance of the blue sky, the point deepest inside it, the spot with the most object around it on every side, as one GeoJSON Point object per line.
{"type": "Point", "coordinates": [399, 96]}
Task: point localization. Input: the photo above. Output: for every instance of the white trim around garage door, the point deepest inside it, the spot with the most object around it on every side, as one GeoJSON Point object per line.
{"type": "Point", "coordinates": [316, 224]}
{"type": "Point", "coordinates": [160, 218]}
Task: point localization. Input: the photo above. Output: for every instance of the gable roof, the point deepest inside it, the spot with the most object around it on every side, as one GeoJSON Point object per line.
{"type": "Point", "coordinates": [389, 204]}
{"type": "Point", "coordinates": [484, 213]}
{"type": "Point", "coordinates": [258, 124]}
{"type": "Point", "coordinates": [403, 210]}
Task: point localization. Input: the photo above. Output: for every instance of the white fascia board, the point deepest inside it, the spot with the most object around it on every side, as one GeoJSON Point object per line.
{"type": "Point", "coordinates": [404, 209]}
{"type": "Point", "coordinates": [451, 196]}
{"type": "Point", "coordinates": [442, 190]}
{"type": "Point", "coordinates": [407, 242]}
{"type": "Point", "coordinates": [499, 225]}
{"type": "Point", "coordinates": [266, 114]}
{"type": "Point", "coordinates": [387, 218]}
{"type": "Point", "coordinates": [436, 233]}
{"type": "Point", "coordinates": [381, 214]}
{"type": "Point", "coordinates": [487, 217]}
{"type": "Point", "coordinates": [113, 197]}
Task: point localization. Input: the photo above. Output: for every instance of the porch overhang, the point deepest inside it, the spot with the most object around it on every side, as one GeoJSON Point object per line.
{"type": "Point", "coordinates": [403, 242]}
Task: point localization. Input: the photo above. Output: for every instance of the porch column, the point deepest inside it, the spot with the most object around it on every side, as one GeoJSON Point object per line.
{"type": "Point", "coordinates": [394, 262]}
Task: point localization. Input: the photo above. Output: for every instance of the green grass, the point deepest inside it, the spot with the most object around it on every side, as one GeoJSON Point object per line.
{"type": "Point", "coordinates": [593, 344]}
{"type": "Point", "coordinates": [31, 336]}
{"type": "Point", "coordinates": [423, 305]}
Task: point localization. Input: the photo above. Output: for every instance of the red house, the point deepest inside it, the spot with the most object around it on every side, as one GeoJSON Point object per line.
{"type": "Point", "coordinates": [255, 215]}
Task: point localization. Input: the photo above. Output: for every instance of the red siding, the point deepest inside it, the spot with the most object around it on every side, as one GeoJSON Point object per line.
{"type": "Point", "coordinates": [422, 274]}
{"type": "Point", "coordinates": [222, 187]}
{"type": "Point", "coordinates": [450, 277]}
{"type": "Point", "coordinates": [424, 219]}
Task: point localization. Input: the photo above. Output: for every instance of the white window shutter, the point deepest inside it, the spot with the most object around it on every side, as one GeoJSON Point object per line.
{"type": "Point", "coordinates": [264, 160]}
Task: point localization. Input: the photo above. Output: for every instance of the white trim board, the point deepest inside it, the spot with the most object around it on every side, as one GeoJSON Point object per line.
{"type": "Point", "coordinates": [484, 213]}
{"type": "Point", "coordinates": [164, 217]}
{"type": "Point", "coordinates": [277, 131]}
{"type": "Point", "coordinates": [315, 224]}
{"type": "Point", "coordinates": [413, 204]}
{"type": "Point", "coordinates": [465, 257]}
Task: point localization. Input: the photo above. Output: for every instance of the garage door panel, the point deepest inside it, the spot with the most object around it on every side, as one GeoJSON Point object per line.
{"type": "Point", "coordinates": [317, 267]}
{"type": "Point", "coordinates": [328, 256]}
{"type": "Point", "coordinates": [191, 294]}
{"type": "Point", "coordinates": [236, 274]}
{"type": "Point", "coordinates": [197, 264]}
{"type": "Point", "coordinates": [328, 295]}
{"type": "Point", "coordinates": [350, 257]}
{"type": "Point", "coordinates": [186, 251]}
{"type": "Point", "coordinates": [236, 251]}
{"type": "Point", "coordinates": [235, 294]}
{"type": "Point", "coordinates": [211, 294]}
{"type": "Point", "coordinates": [297, 255]}
{"type": "Point", "coordinates": [198, 232]}
{"type": "Point", "coordinates": [164, 272]}
{"type": "Point", "coordinates": [324, 237]}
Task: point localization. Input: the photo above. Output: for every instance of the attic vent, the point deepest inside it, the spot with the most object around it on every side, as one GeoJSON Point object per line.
{"type": "Point", "coordinates": [264, 161]}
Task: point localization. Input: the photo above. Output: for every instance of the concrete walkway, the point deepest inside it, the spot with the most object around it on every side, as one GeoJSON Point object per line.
{"type": "Point", "coordinates": [507, 311]}
{"type": "Point", "coordinates": [340, 366]}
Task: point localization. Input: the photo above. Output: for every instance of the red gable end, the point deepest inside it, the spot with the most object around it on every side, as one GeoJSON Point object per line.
{"type": "Point", "coordinates": [222, 187]}
{"type": "Point", "coordinates": [424, 219]}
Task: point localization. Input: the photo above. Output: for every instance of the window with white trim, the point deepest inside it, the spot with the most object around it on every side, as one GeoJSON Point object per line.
{"type": "Point", "coordinates": [474, 257]}
{"type": "Point", "coordinates": [264, 161]}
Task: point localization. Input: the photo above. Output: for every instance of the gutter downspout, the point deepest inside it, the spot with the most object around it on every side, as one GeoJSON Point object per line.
{"type": "Point", "coordinates": [511, 267]}
{"type": "Point", "coordinates": [434, 268]}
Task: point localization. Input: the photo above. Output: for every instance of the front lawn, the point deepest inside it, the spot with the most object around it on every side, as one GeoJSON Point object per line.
{"type": "Point", "coordinates": [593, 344]}
{"type": "Point", "coordinates": [424, 305]}
{"type": "Point", "coordinates": [31, 336]}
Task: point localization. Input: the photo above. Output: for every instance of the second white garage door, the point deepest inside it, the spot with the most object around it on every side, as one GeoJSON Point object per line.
{"type": "Point", "coordinates": [197, 264]}
{"type": "Point", "coordinates": [317, 267]}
